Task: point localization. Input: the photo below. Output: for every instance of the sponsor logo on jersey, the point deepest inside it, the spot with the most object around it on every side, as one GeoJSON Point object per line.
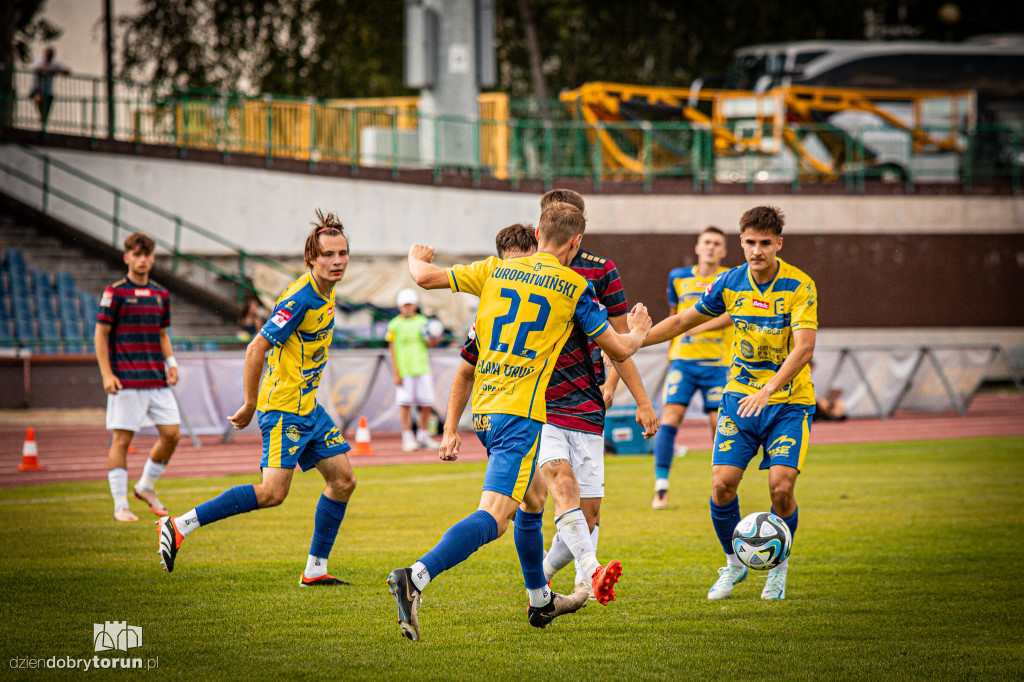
{"type": "Point", "coordinates": [334, 437]}
{"type": "Point", "coordinates": [780, 446]}
{"type": "Point", "coordinates": [281, 318]}
{"type": "Point", "coordinates": [727, 427]}
{"type": "Point", "coordinates": [763, 305]}
{"type": "Point", "coordinates": [143, 292]}
{"type": "Point", "coordinates": [725, 445]}
{"type": "Point", "coordinates": [106, 300]}
{"type": "Point", "coordinates": [707, 289]}
{"type": "Point", "coordinates": [739, 302]}
{"type": "Point", "coordinates": [290, 304]}
{"type": "Point", "coordinates": [482, 422]}
{"type": "Point", "coordinates": [293, 433]}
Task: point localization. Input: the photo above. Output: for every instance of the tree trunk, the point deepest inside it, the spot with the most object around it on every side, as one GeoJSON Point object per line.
{"type": "Point", "coordinates": [540, 87]}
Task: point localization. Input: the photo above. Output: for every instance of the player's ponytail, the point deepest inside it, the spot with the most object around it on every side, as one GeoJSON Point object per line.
{"type": "Point", "coordinates": [325, 223]}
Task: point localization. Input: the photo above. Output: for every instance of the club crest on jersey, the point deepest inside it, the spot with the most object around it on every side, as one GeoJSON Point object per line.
{"type": "Point", "coordinates": [106, 300]}
{"type": "Point", "coordinates": [143, 292]}
{"type": "Point", "coordinates": [281, 318]}
{"type": "Point", "coordinates": [747, 349]}
{"type": "Point", "coordinates": [293, 433]}
{"type": "Point", "coordinates": [319, 354]}
{"type": "Point", "coordinates": [763, 305]}
{"type": "Point", "coordinates": [727, 427]}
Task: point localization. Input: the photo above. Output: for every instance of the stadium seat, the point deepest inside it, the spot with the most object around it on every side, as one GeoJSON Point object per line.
{"type": "Point", "coordinates": [15, 260]}
{"type": "Point", "coordinates": [65, 283]}
{"type": "Point", "coordinates": [24, 328]}
{"type": "Point", "coordinates": [48, 332]}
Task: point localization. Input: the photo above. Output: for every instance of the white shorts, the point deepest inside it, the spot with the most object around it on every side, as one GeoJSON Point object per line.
{"type": "Point", "coordinates": [128, 409]}
{"type": "Point", "coordinates": [416, 391]}
{"type": "Point", "coordinates": [584, 451]}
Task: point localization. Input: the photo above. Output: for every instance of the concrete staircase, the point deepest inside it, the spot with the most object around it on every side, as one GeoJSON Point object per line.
{"type": "Point", "coordinates": [49, 252]}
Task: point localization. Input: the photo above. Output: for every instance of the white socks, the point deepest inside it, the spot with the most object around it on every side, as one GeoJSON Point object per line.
{"type": "Point", "coordinates": [733, 560]}
{"type": "Point", "coordinates": [315, 567]}
{"type": "Point", "coordinates": [559, 556]}
{"type": "Point", "coordinates": [572, 527]}
{"type": "Point", "coordinates": [118, 479]}
{"type": "Point", "coordinates": [660, 484]}
{"type": "Point", "coordinates": [580, 577]}
{"type": "Point", "coordinates": [784, 566]}
{"type": "Point", "coordinates": [150, 473]}
{"type": "Point", "coordinates": [187, 522]}
{"type": "Point", "coordinates": [540, 596]}
{"type": "Point", "coordinates": [420, 575]}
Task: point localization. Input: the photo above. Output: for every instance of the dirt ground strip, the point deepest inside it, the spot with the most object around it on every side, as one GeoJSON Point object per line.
{"type": "Point", "coordinates": [72, 444]}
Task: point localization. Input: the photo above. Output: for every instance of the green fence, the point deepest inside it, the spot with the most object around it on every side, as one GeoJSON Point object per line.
{"type": "Point", "coordinates": [519, 140]}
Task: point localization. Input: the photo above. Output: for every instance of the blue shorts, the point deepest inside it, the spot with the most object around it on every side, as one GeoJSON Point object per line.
{"type": "Point", "coordinates": [685, 377]}
{"type": "Point", "coordinates": [289, 439]}
{"type": "Point", "coordinates": [512, 443]}
{"type": "Point", "coordinates": [783, 430]}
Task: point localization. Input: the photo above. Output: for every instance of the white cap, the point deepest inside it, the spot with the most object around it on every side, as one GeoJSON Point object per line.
{"type": "Point", "coordinates": [407, 297]}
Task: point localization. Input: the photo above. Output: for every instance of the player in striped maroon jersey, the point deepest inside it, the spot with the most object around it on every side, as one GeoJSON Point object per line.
{"type": "Point", "coordinates": [138, 368]}
{"type": "Point", "coordinates": [571, 455]}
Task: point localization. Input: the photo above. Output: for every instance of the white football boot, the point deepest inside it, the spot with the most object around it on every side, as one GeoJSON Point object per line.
{"type": "Point", "coordinates": [728, 577]}
{"type": "Point", "coordinates": [775, 586]}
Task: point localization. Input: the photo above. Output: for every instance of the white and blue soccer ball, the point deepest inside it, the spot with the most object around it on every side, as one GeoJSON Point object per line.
{"type": "Point", "coordinates": [762, 540]}
{"type": "Point", "coordinates": [433, 329]}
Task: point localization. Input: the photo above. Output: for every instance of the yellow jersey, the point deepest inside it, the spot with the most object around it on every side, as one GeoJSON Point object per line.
{"type": "Point", "coordinates": [527, 309]}
{"type": "Point", "coordinates": [685, 287]}
{"type": "Point", "coordinates": [764, 320]}
{"type": "Point", "coordinates": [300, 329]}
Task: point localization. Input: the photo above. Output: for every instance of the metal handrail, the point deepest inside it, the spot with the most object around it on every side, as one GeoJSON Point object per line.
{"type": "Point", "coordinates": [239, 279]}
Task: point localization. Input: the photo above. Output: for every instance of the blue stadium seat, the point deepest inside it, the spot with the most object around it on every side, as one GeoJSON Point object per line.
{"type": "Point", "coordinates": [24, 330]}
{"type": "Point", "coordinates": [5, 331]}
{"type": "Point", "coordinates": [48, 332]}
{"type": "Point", "coordinates": [15, 260]}
{"type": "Point", "coordinates": [65, 283]}
{"type": "Point", "coordinates": [21, 305]}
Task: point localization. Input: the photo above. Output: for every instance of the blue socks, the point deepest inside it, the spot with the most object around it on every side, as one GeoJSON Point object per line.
{"type": "Point", "coordinates": [237, 500]}
{"type": "Point", "coordinates": [530, 546]}
{"type": "Point", "coordinates": [791, 520]}
{"type": "Point", "coordinates": [328, 517]}
{"type": "Point", "coordinates": [724, 518]}
{"type": "Point", "coordinates": [664, 450]}
{"type": "Point", "coordinates": [461, 540]}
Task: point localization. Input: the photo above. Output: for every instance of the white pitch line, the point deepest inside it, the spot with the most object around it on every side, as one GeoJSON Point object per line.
{"type": "Point", "coordinates": [208, 489]}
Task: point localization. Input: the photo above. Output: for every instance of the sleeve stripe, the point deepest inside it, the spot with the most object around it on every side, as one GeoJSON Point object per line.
{"type": "Point", "coordinates": [453, 283]}
{"type": "Point", "coordinates": [601, 328]}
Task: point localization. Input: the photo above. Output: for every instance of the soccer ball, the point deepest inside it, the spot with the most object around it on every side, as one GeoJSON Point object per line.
{"type": "Point", "coordinates": [762, 540]}
{"type": "Point", "coordinates": [433, 329]}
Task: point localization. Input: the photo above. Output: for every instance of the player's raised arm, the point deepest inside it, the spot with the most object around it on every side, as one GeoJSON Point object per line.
{"type": "Point", "coordinates": [674, 325]}
{"type": "Point", "coordinates": [618, 346]}
{"type": "Point", "coordinates": [423, 270]}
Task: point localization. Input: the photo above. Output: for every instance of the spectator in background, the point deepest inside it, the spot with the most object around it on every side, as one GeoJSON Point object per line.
{"type": "Point", "coordinates": [251, 319]}
{"type": "Point", "coordinates": [408, 339]}
{"type": "Point", "coordinates": [42, 84]}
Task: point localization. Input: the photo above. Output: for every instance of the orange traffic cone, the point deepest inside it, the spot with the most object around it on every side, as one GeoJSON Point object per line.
{"type": "Point", "coordinates": [29, 452]}
{"type": "Point", "coordinates": [362, 439]}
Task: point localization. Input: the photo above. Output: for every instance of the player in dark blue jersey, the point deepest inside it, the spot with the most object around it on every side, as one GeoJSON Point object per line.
{"type": "Point", "coordinates": [137, 364]}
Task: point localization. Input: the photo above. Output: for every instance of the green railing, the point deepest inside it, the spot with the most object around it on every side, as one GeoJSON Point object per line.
{"type": "Point", "coordinates": [524, 141]}
{"type": "Point", "coordinates": [67, 187]}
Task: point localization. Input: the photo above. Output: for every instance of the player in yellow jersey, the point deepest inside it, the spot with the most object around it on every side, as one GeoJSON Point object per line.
{"type": "Point", "coordinates": [527, 309]}
{"type": "Point", "coordinates": [697, 359]}
{"type": "Point", "coordinates": [296, 429]}
{"type": "Point", "coordinates": [769, 400]}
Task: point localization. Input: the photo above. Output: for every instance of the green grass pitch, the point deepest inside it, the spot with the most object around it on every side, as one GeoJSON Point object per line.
{"type": "Point", "coordinates": [904, 567]}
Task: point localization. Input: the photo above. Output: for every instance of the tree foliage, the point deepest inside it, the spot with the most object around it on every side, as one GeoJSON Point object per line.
{"type": "Point", "coordinates": [323, 48]}
{"type": "Point", "coordinates": [341, 48]}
